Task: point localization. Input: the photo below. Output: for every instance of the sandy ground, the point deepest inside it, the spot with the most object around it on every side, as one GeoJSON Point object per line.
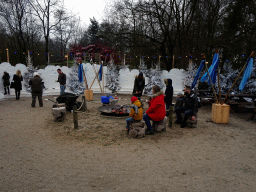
{"type": "Point", "coordinates": [39, 154]}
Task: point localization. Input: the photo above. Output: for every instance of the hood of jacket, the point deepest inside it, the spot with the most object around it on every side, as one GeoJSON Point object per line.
{"type": "Point", "coordinates": [137, 103]}
{"type": "Point", "coordinates": [169, 84]}
{"type": "Point", "coordinates": [158, 93]}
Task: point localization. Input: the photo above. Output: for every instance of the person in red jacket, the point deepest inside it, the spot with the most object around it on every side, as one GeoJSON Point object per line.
{"type": "Point", "coordinates": [156, 110]}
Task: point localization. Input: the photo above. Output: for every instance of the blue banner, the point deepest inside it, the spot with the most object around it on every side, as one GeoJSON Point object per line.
{"type": "Point", "coordinates": [80, 73]}
{"type": "Point", "coordinates": [100, 73]}
{"type": "Point", "coordinates": [212, 70]}
{"type": "Point", "coordinates": [247, 73]}
{"type": "Point", "coordinates": [198, 73]}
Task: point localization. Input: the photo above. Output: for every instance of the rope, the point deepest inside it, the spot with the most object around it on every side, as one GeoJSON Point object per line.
{"type": "Point", "coordinates": [81, 105]}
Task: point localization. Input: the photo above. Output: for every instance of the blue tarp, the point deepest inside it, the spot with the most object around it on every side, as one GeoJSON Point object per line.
{"type": "Point", "coordinates": [247, 73]}
{"type": "Point", "coordinates": [80, 73]}
{"type": "Point", "coordinates": [212, 70]}
{"type": "Point", "coordinates": [100, 73]}
{"type": "Point", "coordinates": [198, 73]}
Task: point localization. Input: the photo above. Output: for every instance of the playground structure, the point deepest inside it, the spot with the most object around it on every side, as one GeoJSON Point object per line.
{"type": "Point", "coordinates": [93, 53]}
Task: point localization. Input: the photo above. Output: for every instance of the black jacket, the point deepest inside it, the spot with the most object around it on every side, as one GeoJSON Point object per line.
{"type": "Point", "coordinates": [168, 92]}
{"type": "Point", "coordinates": [191, 102]}
{"type": "Point", "coordinates": [139, 84]}
{"type": "Point", "coordinates": [62, 79]}
{"type": "Point", "coordinates": [36, 84]}
{"type": "Point", "coordinates": [6, 78]}
{"type": "Point", "coordinates": [17, 82]}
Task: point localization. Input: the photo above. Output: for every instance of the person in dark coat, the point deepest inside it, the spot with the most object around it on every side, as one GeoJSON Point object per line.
{"type": "Point", "coordinates": [168, 95]}
{"type": "Point", "coordinates": [156, 110]}
{"type": "Point", "coordinates": [189, 108]}
{"type": "Point", "coordinates": [6, 81]}
{"type": "Point", "coordinates": [36, 89]}
{"type": "Point", "coordinates": [139, 84]}
{"type": "Point", "coordinates": [62, 81]}
{"type": "Point", "coordinates": [17, 78]}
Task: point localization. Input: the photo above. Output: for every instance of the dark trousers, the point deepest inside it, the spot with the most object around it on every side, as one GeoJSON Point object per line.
{"type": "Point", "coordinates": [187, 113]}
{"type": "Point", "coordinates": [167, 109]}
{"type": "Point", "coordinates": [147, 119]}
{"type": "Point", "coordinates": [6, 90]}
{"type": "Point", "coordinates": [17, 93]}
{"type": "Point", "coordinates": [39, 94]}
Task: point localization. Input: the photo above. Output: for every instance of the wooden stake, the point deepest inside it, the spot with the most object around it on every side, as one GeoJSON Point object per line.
{"type": "Point", "coordinates": [219, 84]}
{"type": "Point", "coordinates": [173, 62]}
{"type": "Point", "coordinates": [211, 82]}
{"type": "Point", "coordinates": [75, 119]}
{"type": "Point", "coordinates": [94, 79]}
{"type": "Point", "coordinates": [97, 78]}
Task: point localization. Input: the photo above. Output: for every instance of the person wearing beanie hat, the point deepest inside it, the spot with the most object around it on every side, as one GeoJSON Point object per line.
{"type": "Point", "coordinates": [136, 113]}
{"type": "Point", "coordinates": [36, 89]}
{"type": "Point", "coordinates": [139, 84]}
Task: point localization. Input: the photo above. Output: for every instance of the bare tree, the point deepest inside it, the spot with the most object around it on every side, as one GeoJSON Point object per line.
{"type": "Point", "coordinates": [20, 25]}
{"type": "Point", "coordinates": [45, 11]}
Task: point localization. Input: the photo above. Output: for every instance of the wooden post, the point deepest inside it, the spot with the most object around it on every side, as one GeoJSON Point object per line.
{"type": "Point", "coordinates": [170, 115]}
{"type": "Point", "coordinates": [102, 79]}
{"type": "Point", "coordinates": [75, 119]}
{"type": "Point", "coordinates": [29, 60]}
{"type": "Point", "coordinates": [124, 59]}
{"type": "Point", "coordinates": [159, 59]}
{"type": "Point", "coordinates": [8, 61]}
{"type": "Point", "coordinates": [67, 59]}
{"type": "Point", "coordinates": [219, 84]}
{"type": "Point", "coordinates": [97, 77]}
{"type": "Point", "coordinates": [173, 62]}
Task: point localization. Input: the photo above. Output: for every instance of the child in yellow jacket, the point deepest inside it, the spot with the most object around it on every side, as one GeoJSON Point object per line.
{"type": "Point", "coordinates": [136, 113]}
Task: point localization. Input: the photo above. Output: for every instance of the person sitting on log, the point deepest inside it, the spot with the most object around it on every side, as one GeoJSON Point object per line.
{"type": "Point", "coordinates": [179, 101]}
{"type": "Point", "coordinates": [189, 108]}
{"type": "Point", "coordinates": [156, 110]}
{"type": "Point", "coordinates": [136, 112]}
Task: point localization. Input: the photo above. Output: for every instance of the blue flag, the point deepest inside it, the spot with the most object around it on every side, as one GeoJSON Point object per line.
{"type": "Point", "coordinates": [80, 73]}
{"type": "Point", "coordinates": [212, 70]}
{"type": "Point", "coordinates": [100, 73]}
{"type": "Point", "coordinates": [198, 73]}
{"type": "Point", "coordinates": [247, 73]}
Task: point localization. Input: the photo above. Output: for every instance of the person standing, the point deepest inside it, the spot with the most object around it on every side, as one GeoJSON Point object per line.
{"type": "Point", "coordinates": [6, 81]}
{"type": "Point", "coordinates": [62, 81]}
{"type": "Point", "coordinates": [17, 78]}
{"type": "Point", "coordinates": [168, 95]}
{"type": "Point", "coordinates": [139, 85]}
{"type": "Point", "coordinates": [156, 110]}
{"type": "Point", "coordinates": [36, 89]}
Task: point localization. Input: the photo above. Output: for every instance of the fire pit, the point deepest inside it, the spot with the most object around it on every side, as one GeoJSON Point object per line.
{"type": "Point", "coordinates": [117, 110]}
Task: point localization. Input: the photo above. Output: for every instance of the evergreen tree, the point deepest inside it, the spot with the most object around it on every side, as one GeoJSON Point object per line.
{"type": "Point", "coordinates": [154, 78]}
{"type": "Point", "coordinates": [227, 77]}
{"type": "Point", "coordinates": [74, 85]}
{"type": "Point", "coordinates": [93, 30]}
{"type": "Point", "coordinates": [113, 78]}
{"type": "Point", "coordinates": [27, 76]}
{"type": "Point", "coordinates": [190, 74]}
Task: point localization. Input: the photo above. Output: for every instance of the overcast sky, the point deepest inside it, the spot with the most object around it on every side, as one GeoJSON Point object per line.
{"type": "Point", "coordinates": [87, 9]}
